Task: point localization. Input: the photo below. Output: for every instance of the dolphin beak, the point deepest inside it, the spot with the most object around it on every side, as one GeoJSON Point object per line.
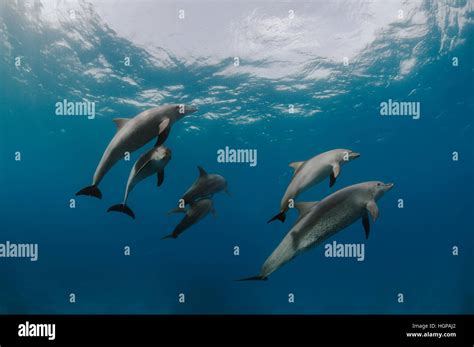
{"type": "Point", "coordinates": [355, 155]}
{"type": "Point", "coordinates": [191, 109]}
{"type": "Point", "coordinates": [388, 186]}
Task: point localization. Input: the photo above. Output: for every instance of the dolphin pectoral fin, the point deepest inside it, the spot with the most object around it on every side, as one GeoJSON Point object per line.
{"type": "Point", "coordinates": [332, 180]}
{"type": "Point", "coordinates": [280, 216]}
{"type": "Point", "coordinates": [202, 172]}
{"type": "Point", "coordinates": [122, 208]}
{"type": "Point", "coordinates": [253, 278]}
{"type": "Point", "coordinates": [163, 132]}
{"type": "Point", "coordinates": [336, 169]}
{"type": "Point", "coordinates": [120, 122]}
{"type": "Point", "coordinates": [161, 177]}
{"type": "Point", "coordinates": [91, 191]}
{"type": "Point", "coordinates": [366, 224]}
{"type": "Point", "coordinates": [373, 209]}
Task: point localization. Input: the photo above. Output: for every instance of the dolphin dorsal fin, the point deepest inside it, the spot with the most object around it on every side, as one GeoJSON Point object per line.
{"type": "Point", "coordinates": [304, 207]}
{"type": "Point", "coordinates": [120, 122]}
{"type": "Point", "coordinates": [296, 165]}
{"type": "Point", "coordinates": [202, 172]}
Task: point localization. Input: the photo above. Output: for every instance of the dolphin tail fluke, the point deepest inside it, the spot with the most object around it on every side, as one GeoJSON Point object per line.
{"type": "Point", "coordinates": [122, 208]}
{"type": "Point", "coordinates": [170, 236]}
{"type": "Point", "coordinates": [92, 190]}
{"type": "Point", "coordinates": [253, 278]}
{"type": "Point", "coordinates": [280, 216]}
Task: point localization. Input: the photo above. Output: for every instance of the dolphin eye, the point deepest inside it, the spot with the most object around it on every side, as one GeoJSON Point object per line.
{"type": "Point", "coordinates": [378, 184]}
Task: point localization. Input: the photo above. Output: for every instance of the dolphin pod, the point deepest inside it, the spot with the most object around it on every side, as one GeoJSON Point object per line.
{"type": "Point", "coordinates": [311, 172]}
{"type": "Point", "coordinates": [151, 162]}
{"type": "Point", "coordinates": [132, 134]}
{"type": "Point", "coordinates": [318, 221]}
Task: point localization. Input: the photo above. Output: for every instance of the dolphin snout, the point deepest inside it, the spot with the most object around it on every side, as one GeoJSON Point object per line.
{"type": "Point", "coordinates": [388, 186]}
{"type": "Point", "coordinates": [191, 109]}
{"type": "Point", "coordinates": [355, 155]}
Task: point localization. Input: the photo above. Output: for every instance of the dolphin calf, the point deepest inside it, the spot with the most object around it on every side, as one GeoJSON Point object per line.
{"type": "Point", "coordinates": [133, 133]}
{"type": "Point", "coordinates": [310, 172]}
{"type": "Point", "coordinates": [197, 210]}
{"type": "Point", "coordinates": [205, 185]}
{"type": "Point", "coordinates": [320, 220]}
{"type": "Point", "coordinates": [151, 162]}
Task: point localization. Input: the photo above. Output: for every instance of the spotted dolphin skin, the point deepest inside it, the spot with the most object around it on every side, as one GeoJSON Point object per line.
{"type": "Point", "coordinates": [320, 220]}
{"type": "Point", "coordinates": [311, 172]}
{"type": "Point", "coordinates": [205, 186]}
{"type": "Point", "coordinates": [196, 211]}
{"type": "Point", "coordinates": [153, 161]}
{"type": "Point", "coordinates": [133, 133]}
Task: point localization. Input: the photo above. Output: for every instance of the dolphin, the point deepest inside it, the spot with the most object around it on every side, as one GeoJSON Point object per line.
{"type": "Point", "coordinates": [133, 133]}
{"type": "Point", "coordinates": [151, 162]}
{"type": "Point", "coordinates": [206, 185]}
{"type": "Point", "coordinates": [310, 172]}
{"type": "Point", "coordinates": [320, 220]}
{"type": "Point", "coordinates": [197, 210]}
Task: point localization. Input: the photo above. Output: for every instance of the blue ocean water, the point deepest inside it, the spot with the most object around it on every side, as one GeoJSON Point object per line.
{"type": "Point", "coordinates": [81, 249]}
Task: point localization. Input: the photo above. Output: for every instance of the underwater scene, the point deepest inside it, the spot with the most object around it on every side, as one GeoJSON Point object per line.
{"type": "Point", "coordinates": [236, 157]}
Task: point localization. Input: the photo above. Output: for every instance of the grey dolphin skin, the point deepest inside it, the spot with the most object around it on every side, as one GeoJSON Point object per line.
{"type": "Point", "coordinates": [320, 220]}
{"type": "Point", "coordinates": [133, 133]}
{"type": "Point", "coordinates": [197, 210]}
{"type": "Point", "coordinates": [310, 172]}
{"type": "Point", "coordinates": [205, 186]}
{"type": "Point", "coordinates": [151, 162]}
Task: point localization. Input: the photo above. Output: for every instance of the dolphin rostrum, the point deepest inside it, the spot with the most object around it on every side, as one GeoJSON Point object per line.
{"type": "Point", "coordinates": [320, 220]}
{"type": "Point", "coordinates": [133, 133]}
{"type": "Point", "coordinates": [197, 210]}
{"type": "Point", "coordinates": [205, 186]}
{"type": "Point", "coordinates": [310, 172]}
{"type": "Point", "coordinates": [151, 162]}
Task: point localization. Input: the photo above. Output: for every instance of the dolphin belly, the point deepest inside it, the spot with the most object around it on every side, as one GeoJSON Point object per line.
{"type": "Point", "coordinates": [304, 180]}
{"type": "Point", "coordinates": [135, 134]}
{"type": "Point", "coordinates": [311, 231]}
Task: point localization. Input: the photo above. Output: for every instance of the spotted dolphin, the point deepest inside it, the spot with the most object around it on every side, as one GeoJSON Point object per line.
{"type": "Point", "coordinates": [310, 172]}
{"type": "Point", "coordinates": [151, 162]}
{"type": "Point", "coordinates": [206, 185]}
{"type": "Point", "coordinates": [196, 211]}
{"type": "Point", "coordinates": [133, 133]}
{"type": "Point", "coordinates": [320, 220]}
